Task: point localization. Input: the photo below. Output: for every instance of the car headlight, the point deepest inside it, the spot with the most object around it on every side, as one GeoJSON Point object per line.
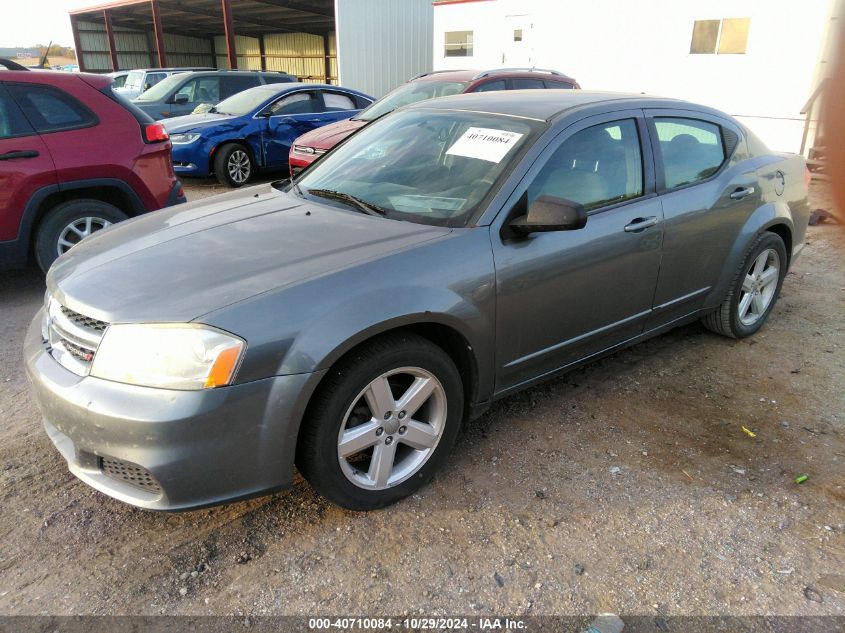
{"type": "Point", "coordinates": [184, 139]}
{"type": "Point", "coordinates": [169, 356]}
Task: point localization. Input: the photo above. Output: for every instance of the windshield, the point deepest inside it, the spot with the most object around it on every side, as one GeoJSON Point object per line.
{"type": "Point", "coordinates": [426, 166]}
{"type": "Point", "coordinates": [161, 89]}
{"type": "Point", "coordinates": [411, 93]}
{"type": "Point", "coordinates": [133, 79]}
{"type": "Point", "coordinates": [246, 101]}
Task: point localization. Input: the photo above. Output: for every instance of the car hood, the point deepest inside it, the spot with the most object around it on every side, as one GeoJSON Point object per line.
{"type": "Point", "coordinates": [194, 122]}
{"type": "Point", "coordinates": [328, 136]}
{"type": "Point", "coordinates": [178, 264]}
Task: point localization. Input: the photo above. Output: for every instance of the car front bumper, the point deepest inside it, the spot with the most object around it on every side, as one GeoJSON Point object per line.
{"type": "Point", "coordinates": [164, 449]}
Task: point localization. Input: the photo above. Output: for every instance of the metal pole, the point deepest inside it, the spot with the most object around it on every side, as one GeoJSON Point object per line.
{"type": "Point", "coordinates": [326, 54]}
{"type": "Point", "coordinates": [110, 37]}
{"type": "Point", "coordinates": [80, 58]}
{"type": "Point", "coordinates": [159, 34]}
{"type": "Point", "coordinates": [262, 52]}
{"type": "Point", "coordinates": [229, 29]}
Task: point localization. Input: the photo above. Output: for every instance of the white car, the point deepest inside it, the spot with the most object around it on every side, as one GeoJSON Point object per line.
{"type": "Point", "coordinates": [139, 80]}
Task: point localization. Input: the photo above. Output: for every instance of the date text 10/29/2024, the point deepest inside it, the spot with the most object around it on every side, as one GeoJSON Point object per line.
{"type": "Point", "coordinates": [416, 624]}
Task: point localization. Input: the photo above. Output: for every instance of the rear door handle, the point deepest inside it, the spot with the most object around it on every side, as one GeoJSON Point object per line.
{"type": "Point", "coordinates": [742, 192]}
{"type": "Point", "coordinates": [26, 153]}
{"type": "Point", "coordinates": [640, 224]}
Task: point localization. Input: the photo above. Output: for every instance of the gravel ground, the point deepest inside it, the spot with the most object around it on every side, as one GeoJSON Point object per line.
{"type": "Point", "coordinates": [626, 486]}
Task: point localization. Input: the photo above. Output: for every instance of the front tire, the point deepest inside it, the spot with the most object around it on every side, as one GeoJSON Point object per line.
{"type": "Point", "coordinates": [66, 224]}
{"type": "Point", "coordinates": [233, 165]}
{"type": "Point", "coordinates": [754, 290]}
{"type": "Point", "coordinates": [382, 422]}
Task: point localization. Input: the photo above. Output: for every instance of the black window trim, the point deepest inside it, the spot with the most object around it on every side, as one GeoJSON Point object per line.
{"type": "Point", "coordinates": [94, 119]}
{"type": "Point", "coordinates": [32, 131]}
{"type": "Point", "coordinates": [705, 117]}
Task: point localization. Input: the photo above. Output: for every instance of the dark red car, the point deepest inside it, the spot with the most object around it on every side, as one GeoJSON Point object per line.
{"type": "Point", "coordinates": [441, 83]}
{"type": "Point", "coordinates": [74, 158]}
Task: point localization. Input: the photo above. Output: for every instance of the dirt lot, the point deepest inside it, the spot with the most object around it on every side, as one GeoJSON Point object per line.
{"type": "Point", "coordinates": [628, 486]}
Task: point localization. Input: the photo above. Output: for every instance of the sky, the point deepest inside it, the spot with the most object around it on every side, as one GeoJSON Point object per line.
{"type": "Point", "coordinates": [28, 22]}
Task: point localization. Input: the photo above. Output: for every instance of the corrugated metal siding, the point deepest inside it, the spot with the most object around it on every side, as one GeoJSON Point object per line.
{"type": "Point", "coordinates": [382, 43]}
{"type": "Point", "coordinates": [299, 54]}
{"type": "Point", "coordinates": [183, 50]}
{"type": "Point", "coordinates": [249, 54]}
{"type": "Point", "coordinates": [92, 38]}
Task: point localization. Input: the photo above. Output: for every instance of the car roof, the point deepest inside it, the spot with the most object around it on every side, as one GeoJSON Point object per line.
{"type": "Point", "coordinates": [542, 105]}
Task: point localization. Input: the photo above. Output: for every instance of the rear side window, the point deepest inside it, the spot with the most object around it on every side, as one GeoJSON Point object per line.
{"type": "Point", "coordinates": [153, 78]}
{"type": "Point", "coordinates": [336, 101]}
{"type": "Point", "coordinates": [596, 167]}
{"type": "Point", "coordinates": [691, 150]}
{"type": "Point", "coordinates": [557, 85]}
{"type": "Point", "coordinates": [491, 86]}
{"type": "Point", "coordinates": [233, 85]}
{"type": "Point", "coordinates": [50, 109]}
{"type": "Point", "coordinates": [527, 84]}
{"type": "Point", "coordinates": [12, 122]}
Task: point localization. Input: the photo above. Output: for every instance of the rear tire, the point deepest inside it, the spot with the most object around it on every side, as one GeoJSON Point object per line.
{"type": "Point", "coordinates": [754, 290]}
{"type": "Point", "coordinates": [68, 223]}
{"type": "Point", "coordinates": [344, 448]}
{"type": "Point", "coordinates": [233, 165]}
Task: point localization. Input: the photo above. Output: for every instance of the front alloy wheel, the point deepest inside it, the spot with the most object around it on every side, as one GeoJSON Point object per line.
{"type": "Point", "coordinates": [392, 428]}
{"type": "Point", "coordinates": [382, 421]}
{"type": "Point", "coordinates": [239, 166]}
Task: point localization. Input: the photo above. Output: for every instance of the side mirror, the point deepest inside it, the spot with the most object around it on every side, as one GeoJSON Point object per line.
{"type": "Point", "coordinates": [180, 99]}
{"type": "Point", "coordinates": [548, 213]}
{"type": "Point", "coordinates": [147, 86]}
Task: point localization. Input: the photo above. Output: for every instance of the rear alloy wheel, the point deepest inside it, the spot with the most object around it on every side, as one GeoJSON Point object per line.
{"type": "Point", "coordinates": [754, 291]}
{"type": "Point", "coordinates": [381, 423]}
{"type": "Point", "coordinates": [69, 223]}
{"type": "Point", "coordinates": [233, 165]}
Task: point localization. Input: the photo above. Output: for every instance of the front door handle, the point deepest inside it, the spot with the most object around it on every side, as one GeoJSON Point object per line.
{"type": "Point", "coordinates": [640, 224]}
{"type": "Point", "coordinates": [742, 192]}
{"type": "Point", "coordinates": [26, 153]}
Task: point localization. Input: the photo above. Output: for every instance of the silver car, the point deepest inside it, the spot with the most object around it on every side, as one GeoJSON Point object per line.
{"type": "Point", "coordinates": [445, 256]}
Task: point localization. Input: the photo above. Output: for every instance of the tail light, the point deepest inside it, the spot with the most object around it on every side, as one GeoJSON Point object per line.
{"type": "Point", "coordinates": [155, 133]}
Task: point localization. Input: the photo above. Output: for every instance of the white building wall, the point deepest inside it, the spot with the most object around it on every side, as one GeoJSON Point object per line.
{"type": "Point", "coordinates": [382, 43]}
{"type": "Point", "coordinates": [643, 46]}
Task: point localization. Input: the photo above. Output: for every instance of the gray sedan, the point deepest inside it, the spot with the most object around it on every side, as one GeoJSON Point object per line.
{"type": "Point", "coordinates": [447, 255]}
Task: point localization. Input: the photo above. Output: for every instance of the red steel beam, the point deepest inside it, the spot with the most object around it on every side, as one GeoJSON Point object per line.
{"type": "Point", "coordinates": [229, 28]}
{"type": "Point", "coordinates": [110, 37]}
{"type": "Point", "coordinates": [159, 33]}
{"type": "Point", "coordinates": [77, 44]}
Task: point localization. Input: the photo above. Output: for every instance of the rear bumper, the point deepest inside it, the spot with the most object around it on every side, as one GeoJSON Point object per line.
{"type": "Point", "coordinates": [163, 449]}
{"type": "Point", "coordinates": [177, 195]}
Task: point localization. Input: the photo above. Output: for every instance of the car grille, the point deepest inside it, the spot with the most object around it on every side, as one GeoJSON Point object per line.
{"type": "Point", "coordinates": [73, 337]}
{"type": "Point", "coordinates": [129, 473]}
{"type": "Point", "coordinates": [83, 321]}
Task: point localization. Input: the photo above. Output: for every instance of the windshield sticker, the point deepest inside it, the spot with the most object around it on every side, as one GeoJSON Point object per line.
{"type": "Point", "coordinates": [485, 144]}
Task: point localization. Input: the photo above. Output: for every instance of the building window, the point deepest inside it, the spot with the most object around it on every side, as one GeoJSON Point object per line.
{"type": "Point", "coordinates": [517, 35]}
{"type": "Point", "coordinates": [725, 37]}
{"type": "Point", "coordinates": [458, 44]}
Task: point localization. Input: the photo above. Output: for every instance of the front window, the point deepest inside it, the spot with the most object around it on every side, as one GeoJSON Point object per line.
{"type": "Point", "coordinates": [411, 93]}
{"type": "Point", "coordinates": [424, 166]}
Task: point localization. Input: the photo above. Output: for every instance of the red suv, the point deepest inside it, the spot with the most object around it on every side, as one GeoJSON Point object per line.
{"type": "Point", "coordinates": [74, 158]}
{"type": "Point", "coordinates": [440, 83]}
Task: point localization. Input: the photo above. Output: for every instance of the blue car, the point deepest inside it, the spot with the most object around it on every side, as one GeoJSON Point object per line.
{"type": "Point", "coordinates": [254, 129]}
